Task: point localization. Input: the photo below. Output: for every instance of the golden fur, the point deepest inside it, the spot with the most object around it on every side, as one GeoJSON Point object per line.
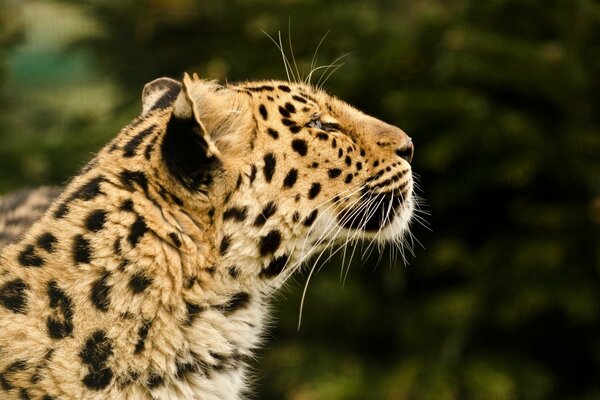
{"type": "Point", "coordinates": [150, 276]}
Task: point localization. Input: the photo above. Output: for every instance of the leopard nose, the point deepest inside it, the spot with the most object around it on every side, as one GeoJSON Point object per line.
{"type": "Point", "coordinates": [406, 152]}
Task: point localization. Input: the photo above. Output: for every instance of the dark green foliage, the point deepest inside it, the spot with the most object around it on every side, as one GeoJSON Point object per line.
{"type": "Point", "coordinates": [502, 99]}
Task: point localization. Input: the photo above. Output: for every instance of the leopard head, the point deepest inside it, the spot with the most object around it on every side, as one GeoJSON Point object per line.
{"type": "Point", "coordinates": [285, 169]}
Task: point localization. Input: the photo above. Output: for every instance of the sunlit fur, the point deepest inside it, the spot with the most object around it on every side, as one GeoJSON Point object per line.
{"type": "Point", "coordinates": [151, 275]}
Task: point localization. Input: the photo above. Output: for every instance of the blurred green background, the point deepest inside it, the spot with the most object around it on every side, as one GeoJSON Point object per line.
{"type": "Point", "coordinates": [502, 99]}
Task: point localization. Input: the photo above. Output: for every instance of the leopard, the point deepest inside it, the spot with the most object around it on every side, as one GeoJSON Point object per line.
{"type": "Point", "coordinates": [151, 275]}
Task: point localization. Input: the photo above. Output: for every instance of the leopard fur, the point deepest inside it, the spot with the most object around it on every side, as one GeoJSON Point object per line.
{"type": "Point", "coordinates": [150, 276]}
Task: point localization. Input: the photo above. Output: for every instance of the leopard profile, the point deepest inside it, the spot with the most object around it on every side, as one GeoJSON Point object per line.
{"type": "Point", "coordinates": [150, 276]}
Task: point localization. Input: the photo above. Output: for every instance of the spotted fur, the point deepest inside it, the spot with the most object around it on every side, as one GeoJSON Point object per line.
{"type": "Point", "coordinates": [149, 277]}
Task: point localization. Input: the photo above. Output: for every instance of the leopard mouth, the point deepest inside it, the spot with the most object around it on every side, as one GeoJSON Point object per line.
{"type": "Point", "coordinates": [385, 204]}
{"type": "Point", "coordinates": [375, 211]}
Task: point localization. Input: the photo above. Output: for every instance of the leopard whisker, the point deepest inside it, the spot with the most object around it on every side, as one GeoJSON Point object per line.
{"type": "Point", "coordinates": [332, 64]}
{"type": "Point", "coordinates": [298, 75]}
{"type": "Point", "coordinates": [282, 51]}
{"type": "Point", "coordinates": [309, 278]}
{"type": "Point", "coordinates": [314, 58]}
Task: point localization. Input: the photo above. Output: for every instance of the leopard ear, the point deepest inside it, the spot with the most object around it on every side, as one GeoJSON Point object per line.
{"type": "Point", "coordinates": [187, 151]}
{"type": "Point", "coordinates": [160, 93]}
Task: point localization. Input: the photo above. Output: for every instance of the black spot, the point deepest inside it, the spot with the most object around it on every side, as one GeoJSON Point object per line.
{"type": "Point", "coordinates": [299, 98]}
{"type": "Point", "coordinates": [334, 172]}
{"type": "Point", "coordinates": [285, 113]}
{"type": "Point", "coordinates": [43, 364]}
{"type": "Point", "coordinates": [100, 292]}
{"type": "Point", "coordinates": [61, 210]}
{"type": "Point", "coordinates": [322, 136]}
{"type": "Point", "coordinates": [185, 153]}
{"type": "Point", "coordinates": [138, 229]}
{"type": "Point", "coordinates": [234, 272]}
{"type": "Point", "coordinates": [29, 258]}
{"type": "Point", "coordinates": [183, 368]}
{"type": "Point", "coordinates": [274, 134]}
{"type": "Point", "coordinates": [162, 192]}
{"type": "Point", "coordinates": [123, 265]}
{"type": "Point", "coordinates": [275, 267]}
{"type": "Point", "coordinates": [13, 296]}
{"type": "Point", "coordinates": [334, 143]}
{"type": "Point", "coordinates": [359, 166]}
{"type": "Point", "coordinates": [348, 161]}
{"type": "Point", "coordinates": [142, 335]}
{"type": "Point", "coordinates": [262, 88]}
{"type": "Point", "coordinates": [176, 200]}
{"type": "Point", "coordinates": [290, 178]}
{"type": "Point", "coordinates": [90, 190]}
{"type": "Point", "coordinates": [299, 146]}
{"type": "Point", "coordinates": [296, 216]}
{"type": "Point", "coordinates": [287, 122]}
{"type": "Point", "coordinates": [155, 380]}
{"type": "Point", "coordinates": [284, 88]}
{"type": "Point", "coordinates": [315, 189]}
{"type": "Point", "coordinates": [127, 205]}
{"type": "Point", "coordinates": [295, 129]}
{"type": "Point", "coordinates": [175, 239]}
{"type": "Point", "coordinates": [95, 220]}
{"type": "Point", "coordinates": [253, 171]}
{"type": "Point", "coordinates": [129, 178]}
{"type": "Point", "coordinates": [139, 282]}
{"type": "Point", "coordinates": [130, 147]}
{"type": "Point", "coordinates": [149, 148]}
{"type": "Point", "coordinates": [192, 311]}
{"type": "Point", "coordinates": [310, 219]}
{"type": "Point", "coordinates": [340, 153]}
{"type": "Point", "coordinates": [238, 183]}
{"type": "Point", "coordinates": [58, 299]}
{"type": "Point", "coordinates": [5, 384]}
{"type": "Point", "coordinates": [348, 178]}
{"type": "Point", "coordinates": [263, 112]}
{"type": "Point", "coordinates": [237, 302]}
{"type": "Point", "coordinates": [290, 107]}
{"type": "Point", "coordinates": [82, 250]}
{"type": "Point", "coordinates": [362, 152]}
{"type": "Point", "coordinates": [117, 246]}
{"type": "Point", "coordinates": [269, 168]}
{"type": "Point", "coordinates": [24, 395]}
{"type": "Point", "coordinates": [270, 243]}
{"type": "Point", "coordinates": [235, 213]}
{"type": "Point", "coordinates": [95, 353]}
{"type": "Point", "coordinates": [266, 213]}
{"type": "Point", "coordinates": [16, 366]}
{"type": "Point", "coordinates": [86, 192]}
{"type": "Point", "coordinates": [224, 246]}
{"type": "Point", "coordinates": [127, 378]}
{"type": "Point", "coordinates": [47, 241]}
{"type": "Point", "coordinates": [48, 397]}
{"type": "Point", "coordinates": [314, 165]}
{"type": "Point", "coordinates": [376, 163]}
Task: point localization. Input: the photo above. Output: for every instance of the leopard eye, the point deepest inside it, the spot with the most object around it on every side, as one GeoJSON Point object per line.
{"type": "Point", "coordinates": [316, 123]}
{"type": "Point", "coordinates": [324, 126]}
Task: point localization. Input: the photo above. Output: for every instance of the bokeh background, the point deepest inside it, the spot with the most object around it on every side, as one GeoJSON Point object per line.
{"type": "Point", "coordinates": [502, 99]}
